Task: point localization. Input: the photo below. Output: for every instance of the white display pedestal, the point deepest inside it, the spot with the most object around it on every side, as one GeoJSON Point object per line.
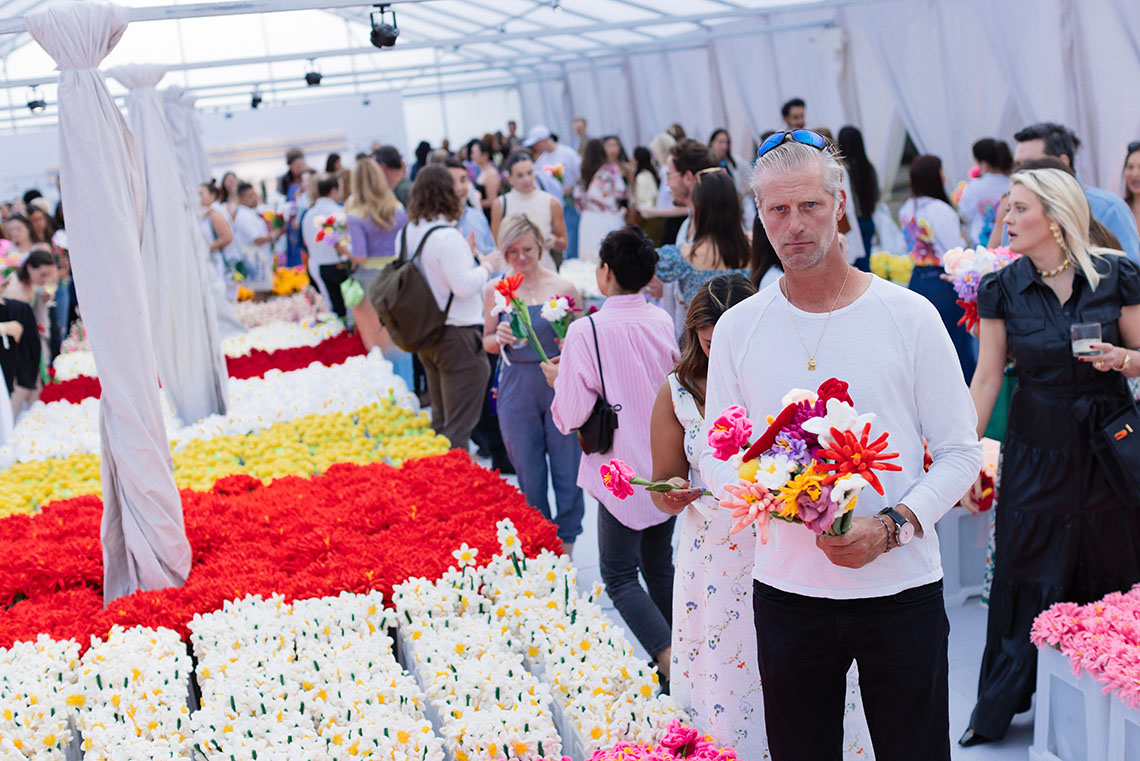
{"type": "Point", "coordinates": [1123, 731]}
{"type": "Point", "coordinates": [1072, 716]}
{"type": "Point", "coordinates": [962, 540]}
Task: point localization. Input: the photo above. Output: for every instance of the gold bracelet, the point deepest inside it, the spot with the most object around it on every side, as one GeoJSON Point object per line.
{"type": "Point", "coordinates": [1127, 361]}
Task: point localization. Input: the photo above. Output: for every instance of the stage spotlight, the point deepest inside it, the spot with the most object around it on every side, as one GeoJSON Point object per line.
{"type": "Point", "coordinates": [312, 76]}
{"type": "Point", "coordinates": [557, 6]}
{"type": "Point", "coordinates": [255, 99]}
{"type": "Point", "coordinates": [384, 34]}
{"type": "Point", "coordinates": [36, 104]}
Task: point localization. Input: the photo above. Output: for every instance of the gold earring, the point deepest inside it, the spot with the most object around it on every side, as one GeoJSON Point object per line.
{"type": "Point", "coordinates": [1058, 236]}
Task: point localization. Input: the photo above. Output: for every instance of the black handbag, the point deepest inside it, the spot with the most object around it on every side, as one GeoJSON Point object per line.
{"type": "Point", "coordinates": [597, 433]}
{"type": "Point", "coordinates": [1121, 437]}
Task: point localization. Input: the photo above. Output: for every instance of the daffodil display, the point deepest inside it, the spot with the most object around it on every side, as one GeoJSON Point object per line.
{"type": "Point", "coordinates": [380, 432]}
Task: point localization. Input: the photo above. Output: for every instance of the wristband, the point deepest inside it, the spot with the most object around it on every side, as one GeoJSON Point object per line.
{"type": "Point", "coordinates": [883, 521]}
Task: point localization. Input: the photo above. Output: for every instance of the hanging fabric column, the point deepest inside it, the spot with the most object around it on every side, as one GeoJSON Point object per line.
{"type": "Point", "coordinates": [186, 343]}
{"type": "Point", "coordinates": [228, 323]}
{"type": "Point", "coordinates": [197, 149]}
{"type": "Point", "coordinates": [101, 182]}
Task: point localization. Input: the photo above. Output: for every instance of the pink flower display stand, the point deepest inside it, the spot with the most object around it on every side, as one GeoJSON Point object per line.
{"type": "Point", "coordinates": [1072, 717]}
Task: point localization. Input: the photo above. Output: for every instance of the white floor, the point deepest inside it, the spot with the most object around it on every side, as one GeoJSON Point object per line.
{"type": "Point", "coordinates": [967, 639]}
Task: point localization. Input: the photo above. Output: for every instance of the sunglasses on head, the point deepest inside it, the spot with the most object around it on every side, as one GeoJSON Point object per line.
{"type": "Point", "coordinates": [802, 136]}
{"type": "Point", "coordinates": [1134, 146]}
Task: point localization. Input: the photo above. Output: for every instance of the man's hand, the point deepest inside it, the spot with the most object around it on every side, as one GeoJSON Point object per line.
{"type": "Point", "coordinates": [865, 541]}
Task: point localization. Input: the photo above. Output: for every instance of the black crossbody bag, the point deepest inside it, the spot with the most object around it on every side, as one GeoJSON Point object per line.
{"type": "Point", "coordinates": [1121, 436]}
{"type": "Point", "coordinates": [597, 433]}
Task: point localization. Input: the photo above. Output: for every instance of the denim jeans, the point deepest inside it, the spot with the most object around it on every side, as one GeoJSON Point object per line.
{"type": "Point", "coordinates": [805, 646]}
{"type": "Point", "coordinates": [623, 553]}
{"type": "Point", "coordinates": [570, 216]}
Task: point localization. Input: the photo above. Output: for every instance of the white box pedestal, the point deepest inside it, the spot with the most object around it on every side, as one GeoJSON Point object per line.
{"type": "Point", "coordinates": [1072, 717]}
{"type": "Point", "coordinates": [962, 540]}
{"type": "Point", "coordinates": [1123, 731]}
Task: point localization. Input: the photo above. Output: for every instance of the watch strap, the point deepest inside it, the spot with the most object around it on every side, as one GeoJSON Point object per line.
{"type": "Point", "coordinates": [899, 519]}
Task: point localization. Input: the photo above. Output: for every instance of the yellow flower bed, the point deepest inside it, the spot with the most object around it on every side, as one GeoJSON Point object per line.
{"type": "Point", "coordinates": [289, 280]}
{"type": "Point", "coordinates": [897, 269]}
{"type": "Point", "coordinates": [382, 432]}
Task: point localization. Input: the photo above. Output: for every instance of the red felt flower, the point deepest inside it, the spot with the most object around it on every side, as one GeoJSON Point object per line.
{"type": "Point", "coordinates": [765, 442]}
{"type": "Point", "coordinates": [508, 285]}
{"type": "Point", "coordinates": [970, 319]}
{"type": "Point", "coordinates": [320, 235]}
{"type": "Point", "coordinates": [853, 455]}
{"type": "Point", "coordinates": [833, 388]}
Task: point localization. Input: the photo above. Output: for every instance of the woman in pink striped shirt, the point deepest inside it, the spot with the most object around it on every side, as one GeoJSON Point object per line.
{"type": "Point", "coordinates": [638, 349]}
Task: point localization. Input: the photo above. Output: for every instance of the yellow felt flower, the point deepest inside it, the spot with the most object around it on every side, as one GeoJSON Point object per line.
{"type": "Point", "coordinates": [808, 482]}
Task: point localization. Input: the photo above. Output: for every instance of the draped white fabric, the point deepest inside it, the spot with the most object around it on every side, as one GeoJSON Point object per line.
{"type": "Point", "coordinates": [176, 123]}
{"type": "Point", "coordinates": [185, 329]}
{"type": "Point", "coordinates": [5, 411]}
{"type": "Point", "coordinates": [199, 162]}
{"type": "Point", "coordinates": [947, 71]}
{"type": "Point", "coordinates": [101, 183]}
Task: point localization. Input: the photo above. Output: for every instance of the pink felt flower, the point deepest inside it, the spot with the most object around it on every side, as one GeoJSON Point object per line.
{"type": "Point", "coordinates": [750, 502]}
{"type": "Point", "coordinates": [817, 514]}
{"type": "Point", "coordinates": [679, 738]}
{"type": "Point", "coordinates": [616, 475]}
{"type": "Point", "coordinates": [730, 433]}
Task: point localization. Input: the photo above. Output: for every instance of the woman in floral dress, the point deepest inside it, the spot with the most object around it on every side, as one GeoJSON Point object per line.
{"type": "Point", "coordinates": [714, 672]}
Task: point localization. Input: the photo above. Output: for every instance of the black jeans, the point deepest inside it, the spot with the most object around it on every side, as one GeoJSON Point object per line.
{"type": "Point", "coordinates": [334, 275]}
{"type": "Point", "coordinates": [623, 552]}
{"type": "Point", "coordinates": [805, 646]}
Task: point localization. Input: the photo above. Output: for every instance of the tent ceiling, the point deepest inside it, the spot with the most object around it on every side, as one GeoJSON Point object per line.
{"type": "Point", "coordinates": [443, 45]}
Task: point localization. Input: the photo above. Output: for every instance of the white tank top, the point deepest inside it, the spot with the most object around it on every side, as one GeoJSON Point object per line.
{"type": "Point", "coordinates": [535, 205]}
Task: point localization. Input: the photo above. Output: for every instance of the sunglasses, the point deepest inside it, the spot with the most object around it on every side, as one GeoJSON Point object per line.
{"type": "Point", "coordinates": [802, 136]}
{"type": "Point", "coordinates": [1134, 146]}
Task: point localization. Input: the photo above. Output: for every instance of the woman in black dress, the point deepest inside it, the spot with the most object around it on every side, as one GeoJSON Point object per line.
{"type": "Point", "coordinates": [1064, 531]}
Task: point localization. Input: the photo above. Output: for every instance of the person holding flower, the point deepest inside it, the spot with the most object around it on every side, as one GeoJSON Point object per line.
{"type": "Point", "coordinates": [1067, 527]}
{"type": "Point", "coordinates": [538, 450]}
{"type": "Point", "coordinates": [871, 594]}
{"type": "Point", "coordinates": [326, 265]}
{"type": "Point", "coordinates": [635, 348]}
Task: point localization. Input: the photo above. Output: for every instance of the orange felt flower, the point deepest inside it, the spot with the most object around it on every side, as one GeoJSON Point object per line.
{"type": "Point", "coordinates": [508, 285]}
{"type": "Point", "coordinates": [850, 454]}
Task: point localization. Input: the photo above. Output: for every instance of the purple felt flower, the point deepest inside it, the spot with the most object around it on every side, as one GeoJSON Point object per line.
{"type": "Point", "coordinates": [791, 444]}
{"type": "Point", "coordinates": [806, 411]}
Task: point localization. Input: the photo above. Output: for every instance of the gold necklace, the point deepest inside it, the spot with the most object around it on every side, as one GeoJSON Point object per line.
{"type": "Point", "coordinates": [788, 300]}
{"type": "Point", "coordinates": [1056, 270]}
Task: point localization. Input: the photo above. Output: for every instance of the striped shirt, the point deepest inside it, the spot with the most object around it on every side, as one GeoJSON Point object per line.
{"type": "Point", "coordinates": [638, 351]}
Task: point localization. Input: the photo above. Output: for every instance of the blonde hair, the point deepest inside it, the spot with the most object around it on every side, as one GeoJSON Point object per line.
{"type": "Point", "coordinates": [371, 196]}
{"type": "Point", "coordinates": [516, 227]}
{"type": "Point", "coordinates": [1065, 203]}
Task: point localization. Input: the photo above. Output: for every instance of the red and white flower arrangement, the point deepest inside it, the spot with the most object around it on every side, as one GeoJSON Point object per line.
{"type": "Point", "coordinates": [966, 267]}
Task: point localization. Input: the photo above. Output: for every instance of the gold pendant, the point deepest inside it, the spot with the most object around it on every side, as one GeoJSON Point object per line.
{"type": "Point", "coordinates": [811, 364]}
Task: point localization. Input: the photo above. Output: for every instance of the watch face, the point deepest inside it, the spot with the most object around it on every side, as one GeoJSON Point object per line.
{"type": "Point", "coordinates": [906, 533]}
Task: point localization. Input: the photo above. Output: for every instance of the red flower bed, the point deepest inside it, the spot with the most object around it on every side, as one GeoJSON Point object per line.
{"type": "Point", "coordinates": [353, 528]}
{"type": "Point", "coordinates": [331, 351]}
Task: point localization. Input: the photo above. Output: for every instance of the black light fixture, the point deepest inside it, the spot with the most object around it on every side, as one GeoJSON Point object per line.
{"type": "Point", "coordinates": [36, 104]}
{"type": "Point", "coordinates": [384, 34]}
{"type": "Point", "coordinates": [557, 6]}
{"type": "Point", "coordinates": [312, 76]}
{"type": "Point", "coordinates": [255, 99]}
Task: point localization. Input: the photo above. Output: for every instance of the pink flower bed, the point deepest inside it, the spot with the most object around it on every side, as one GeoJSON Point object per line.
{"type": "Point", "coordinates": [1102, 638]}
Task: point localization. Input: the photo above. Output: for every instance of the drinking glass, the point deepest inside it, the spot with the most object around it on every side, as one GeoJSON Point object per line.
{"type": "Point", "coordinates": [1084, 335]}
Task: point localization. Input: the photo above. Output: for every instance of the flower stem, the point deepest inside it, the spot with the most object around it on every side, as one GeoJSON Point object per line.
{"type": "Point", "coordinates": [524, 316]}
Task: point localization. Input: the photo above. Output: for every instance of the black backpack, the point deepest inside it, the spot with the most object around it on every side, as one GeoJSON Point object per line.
{"type": "Point", "coordinates": [404, 302]}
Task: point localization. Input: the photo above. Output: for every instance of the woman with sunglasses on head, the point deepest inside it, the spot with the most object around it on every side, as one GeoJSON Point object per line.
{"type": "Point", "coordinates": [719, 243]}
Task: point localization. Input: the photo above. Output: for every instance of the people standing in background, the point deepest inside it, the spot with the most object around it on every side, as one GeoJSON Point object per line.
{"type": "Point", "coordinates": [473, 222]}
{"type": "Point", "coordinates": [581, 135]}
{"type": "Point", "coordinates": [34, 284]}
{"type": "Point", "coordinates": [456, 364]}
{"type": "Point", "coordinates": [540, 207]}
{"type": "Point", "coordinates": [645, 185]}
{"type": "Point", "coordinates": [543, 455]}
{"type": "Point", "coordinates": [39, 217]}
{"type": "Point", "coordinates": [487, 180]}
{"type": "Point", "coordinates": [255, 242]}
{"type": "Point", "coordinates": [1049, 139]}
{"type": "Point", "coordinates": [865, 191]}
{"type": "Point", "coordinates": [764, 266]}
{"type": "Point", "coordinates": [1132, 179]}
{"type": "Point", "coordinates": [793, 114]}
{"type": "Point", "coordinates": [395, 171]}
{"type": "Point", "coordinates": [19, 230]}
{"type": "Point", "coordinates": [598, 196]}
{"type": "Point", "coordinates": [327, 268]}
{"type": "Point", "coordinates": [422, 151]}
{"type": "Point", "coordinates": [932, 227]}
{"type": "Point", "coordinates": [20, 352]}
{"type": "Point", "coordinates": [512, 141]}
{"type": "Point", "coordinates": [291, 185]}
{"type": "Point", "coordinates": [982, 195]}
{"type": "Point", "coordinates": [333, 164]}
{"type": "Point", "coordinates": [635, 343]}
{"type": "Point", "coordinates": [563, 164]}
{"type": "Point", "coordinates": [686, 159]}
{"type": "Point", "coordinates": [228, 193]}
{"type": "Point", "coordinates": [217, 229]}
{"type": "Point", "coordinates": [665, 209]}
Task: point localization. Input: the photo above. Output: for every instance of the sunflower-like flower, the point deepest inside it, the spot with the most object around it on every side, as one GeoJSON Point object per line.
{"type": "Point", "coordinates": [809, 482]}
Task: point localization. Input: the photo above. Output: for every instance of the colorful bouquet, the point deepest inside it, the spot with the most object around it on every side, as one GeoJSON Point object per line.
{"type": "Point", "coordinates": [508, 302]}
{"type": "Point", "coordinates": [619, 480]}
{"type": "Point", "coordinates": [273, 219]}
{"type": "Point", "coordinates": [9, 258]}
{"type": "Point", "coordinates": [333, 229]}
{"type": "Point", "coordinates": [556, 171]}
{"type": "Point", "coordinates": [559, 312]}
{"type": "Point", "coordinates": [967, 266]}
{"type": "Point", "coordinates": [809, 465]}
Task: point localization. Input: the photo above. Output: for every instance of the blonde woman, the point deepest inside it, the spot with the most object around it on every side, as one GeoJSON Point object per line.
{"type": "Point", "coordinates": [1065, 530]}
{"type": "Point", "coordinates": [375, 218]}
{"type": "Point", "coordinates": [535, 446]}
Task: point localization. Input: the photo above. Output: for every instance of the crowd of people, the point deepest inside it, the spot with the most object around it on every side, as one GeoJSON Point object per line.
{"type": "Point", "coordinates": [729, 282]}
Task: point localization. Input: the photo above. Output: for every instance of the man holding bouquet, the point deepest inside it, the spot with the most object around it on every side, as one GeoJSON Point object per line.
{"type": "Point", "coordinates": [872, 594]}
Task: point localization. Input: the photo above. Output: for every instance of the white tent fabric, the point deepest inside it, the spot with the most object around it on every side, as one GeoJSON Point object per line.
{"type": "Point", "coordinates": [199, 161]}
{"type": "Point", "coordinates": [176, 123]}
{"type": "Point", "coordinates": [144, 539]}
{"type": "Point", "coordinates": [185, 329]}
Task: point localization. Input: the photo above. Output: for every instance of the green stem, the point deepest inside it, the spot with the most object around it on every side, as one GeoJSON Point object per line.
{"type": "Point", "coordinates": [524, 316]}
{"type": "Point", "coordinates": [663, 486]}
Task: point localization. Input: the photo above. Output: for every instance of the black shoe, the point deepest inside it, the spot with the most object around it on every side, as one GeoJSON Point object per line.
{"type": "Point", "coordinates": [503, 465]}
{"type": "Point", "coordinates": [971, 738]}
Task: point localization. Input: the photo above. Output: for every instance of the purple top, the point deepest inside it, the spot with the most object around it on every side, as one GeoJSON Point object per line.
{"type": "Point", "coordinates": [371, 240]}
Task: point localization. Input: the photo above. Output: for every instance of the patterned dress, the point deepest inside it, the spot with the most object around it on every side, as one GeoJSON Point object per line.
{"type": "Point", "coordinates": [714, 673]}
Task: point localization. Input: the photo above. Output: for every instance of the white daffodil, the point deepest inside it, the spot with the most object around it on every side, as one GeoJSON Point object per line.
{"type": "Point", "coordinates": [846, 489]}
{"type": "Point", "coordinates": [773, 471]}
{"type": "Point", "coordinates": [501, 305]}
{"type": "Point", "coordinates": [841, 416]}
{"type": "Point", "coordinates": [465, 555]}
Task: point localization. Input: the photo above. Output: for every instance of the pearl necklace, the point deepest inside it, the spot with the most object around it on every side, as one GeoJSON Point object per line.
{"type": "Point", "coordinates": [1056, 270]}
